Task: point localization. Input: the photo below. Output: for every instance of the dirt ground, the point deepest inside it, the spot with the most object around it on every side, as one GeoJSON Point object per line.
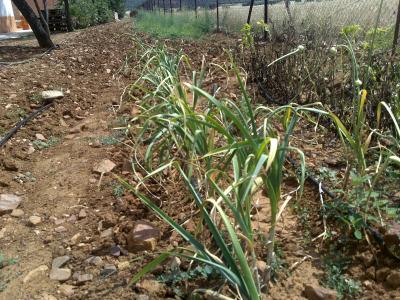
{"type": "Point", "coordinates": [56, 181]}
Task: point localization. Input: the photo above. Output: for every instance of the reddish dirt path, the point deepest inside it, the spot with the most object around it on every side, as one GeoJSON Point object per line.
{"type": "Point", "coordinates": [83, 68]}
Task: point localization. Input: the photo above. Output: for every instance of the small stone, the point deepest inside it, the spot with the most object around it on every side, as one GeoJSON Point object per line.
{"type": "Point", "coordinates": [142, 297]}
{"type": "Point", "coordinates": [59, 221]}
{"type": "Point", "coordinates": [382, 273]}
{"type": "Point", "coordinates": [108, 71]}
{"type": "Point", "coordinates": [82, 214]}
{"type": "Point", "coordinates": [123, 265]}
{"type": "Point", "coordinates": [72, 219]}
{"type": "Point", "coordinates": [40, 137]}
{"type": "Point", "coordinates": [143, 237]}
{"type": "Point", "coordinates": [2, 233]}
{"type": "Point", "coordinates": [92, 180]}
{"type": "Point", "coordinates": [393, 279]}
{"type": "Point", "coordinates": [50, 95]}
{"type": "Point", "coordinates": [75, 239]}
{"type": "Point", "coordinates": [46, 296]}
{"type": "Point", "coordinates": [60, 229]}
{"type": "Point", "coordinates": [35, 273]}
{"type": "Point", "coordinates": [370, 273]}
{"type": "Point", "coordinates": [60, 274]}
{"type": "Point", "coordinates": [17, 213]}
{"type": "Point", "coordinates": [60, 261]}
{"type": "Point", "coordinates": [35, 220]}
{"type": "Point", "coordinates": [115, 250]}
{"type": "Point", "coordinates": [104, 166]}
{"type": "Point", "coordinates": [392, 239]}
{"type": "Point", "coordinates": [31, 149]}
{"type": "Point", "coordinates": [106, 233]}
{"type": "Point", "coordinates": [319, 293]}
{"type": "Point", "coordinates": [82, 278]}
{"type": "Point", "coordinates": [66, 290]}
{"type": "Point", "coordinates": [94, 260]}
{"type": "Point", "coordinates": [8, 202]}
{"type": "Point", "coordinates": [108, 270]}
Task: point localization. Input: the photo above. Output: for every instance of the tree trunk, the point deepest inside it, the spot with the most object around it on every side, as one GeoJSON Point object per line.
{"type": "Point", "coordinates": [46, 11]}
{"type": "Point", "coordinates": [37, 27]}
{"type": "Point", "coordinates": [44, 23]}
{"type": "Point", "coordinates": [68, 15]}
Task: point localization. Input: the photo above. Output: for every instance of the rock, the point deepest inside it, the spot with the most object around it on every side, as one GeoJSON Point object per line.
{"type": "Point", "coordinates": [143, 237]}
{"type": "Point", "coordinates": [108, 270]}
{"type": "Point", "coordinates": [106, 233]}
{"type": "Point", "coordinates": [370, 273]}
{"type": "Point", "coordinates": [59, 221]}
{"type": "Point", "coordinates": [10, 165]}
{"type": "Point", "coordinates": [152, 287]}
{"type": "Point", "coordinates": [2, 233]}
{"type": "Point", "coordinates": [72, 219]}
{"type": "Point", "coordinates": [46, 296]}
{"type": "Point", "coordinates": [393, 279]}
{"type": "Point", "coordinates": [60, 261]}
{"type": "Point", "coordinates": [60, 274]}
{"type": "Point", "coordinates": [82, 278]}
{"type": "Point", "coordinates": [382, 273]}
{"type": "Point", "coordinates": [35, 220]}
{"type": "Point", "coordinates": [312, 292]}
{"type": "Point", "coordinates": [104, 166]}
{"type": "Point", "coordinates": [367, 259]}
{"type": "Point", "coordinates": [142, 297]}
{"type": "Point", "coordinates": [8, 202]}
{"type": "Point", "coordinates": [50, 95]}
{"type": "Point", "coordinates": [60, 229]}
{"type": "Point", "coordinates": [75, 239]}
{"type": "Point", "coordinates": [392, 239]}
{"type": "Point", "coordinates": [262, 266]}
{"type": "Point", "coordinates": [82, 214]}
{"type": "Point", "coordinates": [66, 290]}
{"type": "Point", "coordinates": [40, 137]}
{"type": "Point", "coordinates": [41, 270]}
{"type": "Point", "coordinates": [94, 260]}
{"type": "Point", "coordinates": [123, 265]}
{"type": "Point", "coordinates": [17, 213]}
{"type": "Point", "coordinates": [31, 149]}
{"type": "Point", "coordinates": [115, 250]}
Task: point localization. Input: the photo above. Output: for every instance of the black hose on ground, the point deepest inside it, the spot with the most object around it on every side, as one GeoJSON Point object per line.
{"type": "Point", "coordinates": [23, 122]}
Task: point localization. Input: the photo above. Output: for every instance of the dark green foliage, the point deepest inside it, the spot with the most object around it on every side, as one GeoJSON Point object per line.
{"type": "Point", "coordinates": [88, 13]}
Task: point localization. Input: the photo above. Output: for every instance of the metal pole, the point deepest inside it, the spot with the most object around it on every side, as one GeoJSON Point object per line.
{"type": "Point", "coordinates": [265, 17]}
{"type": "Point", "coordinates": [250, 11]}
{"type": "Point", "coordinates": [396, 31]}
{"type": "Point", "coordinates": [195, 8]}
{"type": "Point", "coordinates": [165, 9]}
{"type": "Point", "coordinates": [180, 4]}
{"type": "Point", "coordinates": [217, 16]}
{"type": "Point", "coordinates": [170, 6]}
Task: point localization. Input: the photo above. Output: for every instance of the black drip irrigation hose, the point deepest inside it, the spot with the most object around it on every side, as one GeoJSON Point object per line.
{"type": "Point", "coordinates": [23, 122]}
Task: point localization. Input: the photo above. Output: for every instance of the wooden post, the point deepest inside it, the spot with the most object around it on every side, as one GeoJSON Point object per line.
{"type": "Point", "coordinates": [170, 6]}
{"type": "Point", "coordinates": [250, 11]}
{"type": "Point", "coordinates": [165, 9]}
{"type": "Point", "coordinates": [195, 8]}
{"type": "Point", "coordinates": [396, 31]}
{"type": "Point", "coordinates": [180, 4]}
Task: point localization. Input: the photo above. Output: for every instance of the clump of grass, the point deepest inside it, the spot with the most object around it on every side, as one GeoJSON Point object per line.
{"type": "Point", "coordinates": [179, 25]}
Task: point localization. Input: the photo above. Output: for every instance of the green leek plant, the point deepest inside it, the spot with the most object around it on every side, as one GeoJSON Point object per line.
{"type": "Point", "coordinates": [225, 156]}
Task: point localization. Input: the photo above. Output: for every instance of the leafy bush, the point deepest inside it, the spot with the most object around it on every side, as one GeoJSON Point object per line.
{"type": "Point", "coordinates": [88, 13]}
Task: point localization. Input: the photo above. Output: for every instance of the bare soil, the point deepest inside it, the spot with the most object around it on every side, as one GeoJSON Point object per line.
{"type": "Point", "coordinates": [61, 182]}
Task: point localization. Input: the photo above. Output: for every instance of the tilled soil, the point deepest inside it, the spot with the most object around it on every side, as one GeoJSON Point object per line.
{"type": "Point", "coordinates": [89, 223]}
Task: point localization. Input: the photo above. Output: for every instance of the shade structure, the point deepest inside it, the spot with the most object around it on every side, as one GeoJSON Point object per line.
{"type": "Point", "coordinates": [7, 19]}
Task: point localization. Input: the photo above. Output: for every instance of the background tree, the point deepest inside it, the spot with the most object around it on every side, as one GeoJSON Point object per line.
{"type": "Point", "coordinates": [38, 29]}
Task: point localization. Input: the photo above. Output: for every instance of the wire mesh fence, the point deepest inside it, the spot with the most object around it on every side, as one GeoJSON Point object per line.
{"type": "Point", "coordinates": [322, 18]}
